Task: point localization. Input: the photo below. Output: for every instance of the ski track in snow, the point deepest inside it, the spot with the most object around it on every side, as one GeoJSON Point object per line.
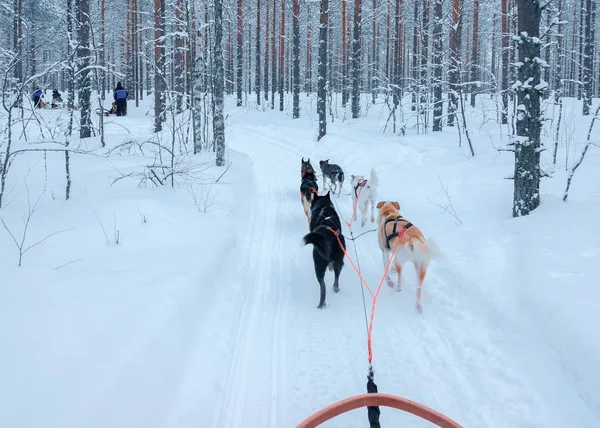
{"type": "Point", "coordinates": [258, 368]}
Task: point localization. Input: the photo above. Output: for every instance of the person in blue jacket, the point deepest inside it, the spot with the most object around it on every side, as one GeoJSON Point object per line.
{"type": "Point", "coordinates": [37, 98]}
{"type": "Point", "coordinates": [121, 99]}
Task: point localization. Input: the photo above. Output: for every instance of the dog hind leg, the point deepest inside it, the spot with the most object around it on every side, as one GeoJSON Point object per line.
{"type": "Point", "coordinates": [320, 267]}
{"type": "Point", "coordinates": [337, 269]}
{"type": "Point", "coordinates": [386, 259]}
{"type": "Point", "coordinates": [398, 266]}
{"type": "Point", "coordinates": [421, 270]}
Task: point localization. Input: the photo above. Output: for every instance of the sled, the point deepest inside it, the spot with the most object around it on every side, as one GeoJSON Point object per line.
{"type": "Point", "coordinates": [378, 399]}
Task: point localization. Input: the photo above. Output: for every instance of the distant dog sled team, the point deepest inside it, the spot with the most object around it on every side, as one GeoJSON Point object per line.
{"type": "Point", "coordinates": [399, 240]}
{"type": "Point", "coordinates": [118, 107]}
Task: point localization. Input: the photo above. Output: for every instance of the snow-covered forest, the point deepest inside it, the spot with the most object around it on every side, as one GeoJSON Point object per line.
{"type": "Point", "coordinates": [146, 242]}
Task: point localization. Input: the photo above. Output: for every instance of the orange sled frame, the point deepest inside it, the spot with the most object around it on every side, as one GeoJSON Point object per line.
{"type": "Point", "coordinates": [378, 399]}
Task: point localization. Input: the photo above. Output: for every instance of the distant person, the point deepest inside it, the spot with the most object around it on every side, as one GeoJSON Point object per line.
{"type": "Point", "coordinates": [56, 98]}
{"type": "Point", "coordinates": [121, 99]}
{"type": "Point", "coordinates": [37, 98]}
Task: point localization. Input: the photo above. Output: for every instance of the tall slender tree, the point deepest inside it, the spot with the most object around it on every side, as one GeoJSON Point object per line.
{"type": "Point", "coordinates": [258, 77]}
{"type": "Point", "coordinates": [219, 79]}
{"type": "Point", "coordinates": [296, 59]}
{"type": "Point", "coordinates": [437, 62]}
{"type": "Point", "coordinates": [529, 120]}
{"type": "Point", "coordinates": [240, 52]}
{"type": "Point", "coordinates": [356, 54]}
{"type": "Point", "coordinates": [83, 55]}
{"type": "Point", "coordinates": [322, 69]}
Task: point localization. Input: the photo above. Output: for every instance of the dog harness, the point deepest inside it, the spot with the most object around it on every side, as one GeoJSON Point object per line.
{"type": "Point", "coordinates": [388, 238]}
{"type": "Point", "coordinates": [361, 183]}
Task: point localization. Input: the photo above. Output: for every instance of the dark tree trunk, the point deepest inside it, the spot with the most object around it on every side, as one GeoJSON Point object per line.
{"type": "Point", "coordinates": [475, 53]}
{"type": "Point", "coordinates": [453, 72]}
{"type": "Point", "coordinates": [258, 77]}
{"type": "Point", "coordinates": [281, 55]}
{"type": "Point", "coordinates": [356, 53]}
{"type": "Point", "coordinates": [529, 121]}
{"type": "Point", "coordinates": [240, 53]}
{"type": "Point", "coordinates": [322, 70]}
{"type": "Point", "coordinates": [83, 55]}
{"type": "Point", "coordinates": [588, 58]}
{"type": "Point", "coordinates": [296, 59]}
{"type": "Point", "coordinates": [267, 34]}
{"type": "Point", "coordinates": [437, 62]}
{"type": "Point", "coordinates": [344, 56]}
{"type": "Point", "coordinates": [159, 64]}
{"type": "Point", "coordinates": [505, 56]}
{"type": "Point", "coordinates": [219, 77]}
{"type": "Point", "coordinates": [274, 70]}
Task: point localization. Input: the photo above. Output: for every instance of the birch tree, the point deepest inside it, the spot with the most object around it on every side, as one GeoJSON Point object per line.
{"type": "Point", "coordinates": [219, 78]}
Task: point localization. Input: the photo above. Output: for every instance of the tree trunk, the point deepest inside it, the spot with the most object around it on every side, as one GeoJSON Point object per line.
{"type": "Point", "coordinates": [296, 59]}
{"type": "Point", "coordinates": [505, 56]}
{"type": "Point", "coordinates": [281, 55]}
{"type": "Point", "coordinates": [258, 77]}
{"type": "Point", "coordinates": [454, 69]}
{"type": "Point", "coordinates": [356, 53]}
{"type": "Point", "coordinates": [475, 53]}
{"type": "Point", "coordinates": [322, 69]}
{"type": "Point", "coordinates": [529, 120]}
{"type": "Point", "coordinates": [240, 53]}
{"type": "Point", "coordinates": [267, 34]}
{"type": "Point", "coordinates": [159, 64]}
{"type": "Point", "coordinates": [219, 77]}
{"type": "Point", "coordinates": [274, 70]}
{"type": "Point", "coordinates": [344, 56]}
{"type": "Point", "coordinates": [83, 55]}
{"type": "Point", "coordinates": [437, 62]}
{"type": "Point", "coordinates": [588, 59]}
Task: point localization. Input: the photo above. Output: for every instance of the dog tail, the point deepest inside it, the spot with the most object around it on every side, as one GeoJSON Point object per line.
{"type": "Point", "coordinates": [373, 180]}
{"type": "Point", "coordinates": [321, 243]}
{"type": "Point", "coordinates": [424, 251]}
{"type": "Point", "coordinates": [340, 175]}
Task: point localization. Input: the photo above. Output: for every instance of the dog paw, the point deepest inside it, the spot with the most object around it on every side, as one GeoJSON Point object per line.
{"type": "Point", "coordinates": [389, 282]}
{"type": "Point", "coordinates": [398, 288]}
{"type": "Point", "coordinates": [419, 308]}
{"type": "Point", "coordinates": [336, 289]}
{"type": "Point", "coordinates": [323, 306]}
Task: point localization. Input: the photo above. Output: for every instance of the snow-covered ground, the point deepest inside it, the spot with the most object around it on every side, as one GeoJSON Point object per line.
{"type": "Point", "coordinates": [209, 319]}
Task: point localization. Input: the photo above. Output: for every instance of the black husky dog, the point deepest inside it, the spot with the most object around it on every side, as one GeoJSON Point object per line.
{"type": "Point", "coordinates": [334, 173]}
{"type": "Point", "coordinates": [327, 251]}
{"type": "Point", "coordinates": [308, 186]}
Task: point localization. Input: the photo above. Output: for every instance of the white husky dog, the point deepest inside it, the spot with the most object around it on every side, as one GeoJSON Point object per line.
{"type": "Point", "coordinates": [366, 193]}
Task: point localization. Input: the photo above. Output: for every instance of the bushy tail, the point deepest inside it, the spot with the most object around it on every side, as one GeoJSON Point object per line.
{"type": "Point", "coordinates": [424, 251]}
{"type": "Point", "coordinates": [341, 177]}
{"type": "Point", "coordinates": [320, 242]}
{"type": "Point", "coordinates": [373, 180]}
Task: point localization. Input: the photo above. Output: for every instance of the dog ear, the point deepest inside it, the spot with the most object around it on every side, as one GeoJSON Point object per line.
{"type": "Point", "coordinates": [307, 160]}
{"type": "Point", "coordinates": [397, 205]}
{"type": "Point", "coordinates": [302, 159]}
{"type": "Point", "coordinates": [380, 204]}
{"type": "Point", "coordinates": [352, 176]}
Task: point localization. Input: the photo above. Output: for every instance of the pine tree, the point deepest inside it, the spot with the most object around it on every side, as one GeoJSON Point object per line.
{"type": "Point", "coordinates": [322, 69]}
{"type": "Point", "coordinates": [529, 120]}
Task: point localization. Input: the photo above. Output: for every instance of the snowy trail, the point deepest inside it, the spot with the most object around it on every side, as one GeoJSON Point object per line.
{"type": "Point", "coordinates": [459, 357]}
{"type": "Point", "coordinates": [258, 368]}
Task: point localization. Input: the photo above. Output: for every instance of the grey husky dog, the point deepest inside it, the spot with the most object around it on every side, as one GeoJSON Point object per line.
{"type": "Point", "coordinates": [334, 173]}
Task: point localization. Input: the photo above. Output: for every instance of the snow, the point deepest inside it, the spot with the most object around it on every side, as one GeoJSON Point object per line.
{"type": "Point", "coordinates": [209, 318]}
